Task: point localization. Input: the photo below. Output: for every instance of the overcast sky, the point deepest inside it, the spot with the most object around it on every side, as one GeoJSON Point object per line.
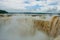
{"type": "Point", "coordinates": [30, 5]}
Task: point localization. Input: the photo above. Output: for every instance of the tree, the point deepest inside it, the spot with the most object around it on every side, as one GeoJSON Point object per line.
{"type": "Point", "coordinates": [3, 11]}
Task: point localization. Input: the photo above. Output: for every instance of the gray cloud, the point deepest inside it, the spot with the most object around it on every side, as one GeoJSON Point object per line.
{"type": "Point", "coordinates": [24, 5]}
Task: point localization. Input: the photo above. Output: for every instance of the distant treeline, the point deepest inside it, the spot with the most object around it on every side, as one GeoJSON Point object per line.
{"type": "Point", "coordinates": [3, 11]}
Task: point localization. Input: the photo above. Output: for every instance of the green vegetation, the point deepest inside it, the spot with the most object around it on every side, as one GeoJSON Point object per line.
{"type": "Point", "coordinates": [3, 11]}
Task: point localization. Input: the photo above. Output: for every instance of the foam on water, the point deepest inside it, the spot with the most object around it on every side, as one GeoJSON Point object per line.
{"type": "Point", "coordinates": [20, 29]}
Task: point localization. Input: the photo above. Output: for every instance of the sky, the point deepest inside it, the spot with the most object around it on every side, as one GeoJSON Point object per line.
{"type": "Point", "coordinates": [48, 6]}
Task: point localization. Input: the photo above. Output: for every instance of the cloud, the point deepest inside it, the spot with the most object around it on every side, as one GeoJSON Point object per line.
{"type": "Point", "coordinates": [13, 4]}
{"type": "Point", "coordinates": [30, 5]}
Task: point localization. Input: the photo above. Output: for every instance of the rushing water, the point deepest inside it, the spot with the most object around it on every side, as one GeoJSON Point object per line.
{"type": "Point", "coordinates": [20, 28]}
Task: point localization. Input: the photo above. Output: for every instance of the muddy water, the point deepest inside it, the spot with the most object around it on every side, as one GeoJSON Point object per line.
{"type": "Point", "coordinates": [19, 28]}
